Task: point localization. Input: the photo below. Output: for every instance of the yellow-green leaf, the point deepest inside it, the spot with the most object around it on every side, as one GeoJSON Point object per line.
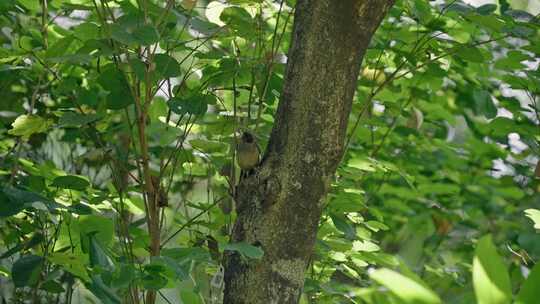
{"type": "Point", "coordinates": [534, 215]}
{"type": "Point", "coordinates": [26, 125]}
{"type": "Point", "coordinates": [490, 277]}
{"type": "Point", "coordinates": [408, 290]}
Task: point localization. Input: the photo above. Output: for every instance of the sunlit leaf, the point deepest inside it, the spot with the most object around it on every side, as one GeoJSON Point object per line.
{"type": "Point", "coordinates": [490, 277]}
{"type": "Point", "coordinates": [71, 262]}
{"type": "Point", "coordinates": [99, 227]}
{"type": "Point", "coordinates": [534, 215]}
{"type": "Point", "coordinates": [529, 292]}
{"type": "Point", "coordinates": [26, 125]}
{"type": "Point", "coordinates": [406, 289]}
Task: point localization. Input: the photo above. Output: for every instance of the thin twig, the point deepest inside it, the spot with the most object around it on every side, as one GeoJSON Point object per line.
{"type": "Point", "coordinates": [191, 220]}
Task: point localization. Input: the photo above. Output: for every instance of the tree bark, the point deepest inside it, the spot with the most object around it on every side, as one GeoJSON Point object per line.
{"type": "Point", "coordinates": [279, 207]}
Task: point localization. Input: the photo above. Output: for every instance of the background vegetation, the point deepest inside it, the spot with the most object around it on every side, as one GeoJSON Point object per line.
{"type": "Point", "coordinates": [436, 199]}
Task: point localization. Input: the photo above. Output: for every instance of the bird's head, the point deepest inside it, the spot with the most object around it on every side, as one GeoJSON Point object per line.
{"type": "Point", "coordinates": [247, 137]}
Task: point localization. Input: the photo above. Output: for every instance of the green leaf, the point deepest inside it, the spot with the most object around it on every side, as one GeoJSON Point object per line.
{"type": "Point", "coordinates": [52, 287]}
{"type": "Point", "coordinates": [490, 22]}
{"type": "Point", "coordinates": [195, 169]}
{"type": "Point", "coordinates": [121, 35]}
{"type": "Point", "coordinates": [25, 43]}
{"type": "Point", "coordinates": [86, 31]}
{"type": "Point", "coordinates": [364, 164]}
{"type": "Point", "coordinates": [196, 104]}
{"type": "Point", "coordinates": [347, 201]}
{"type": "Point", "coordinates": [30, 4]}
{"type": "Point", "coordinates": [484, 103]}
{"type": "Point", "coordinates": [154, 281]}
{"type": "Point", "coordinates": [72, 182]}
{"type": "Point", "coordinates": [167, 66]}
{"type": "Point", "coordinates": [26, 270]}
{"type": "Point", "coordinates": [18, 200]}
{"type": "Point", "coordinates": [512, 61]}
{"type": "Point", "coordinates": [98, 255]}
{"type": "Point", "coordinates": [534, 215]}
{"type": "Point", "coordinates": [71, 262]}
{"type": "Point", "coordinates": [422, 10]}
{"type": "Point", "coordinates": [138, 66]}
{"type": "Point", "coordinates": [146, 34]}
{"type": "Point", "coordinates": [505, 6]}
{"type": "Point", "coordinates": [124, 276]}
{"type": "Point", "coordinates": [378, 258]}
{"type": "Point", "coordinates": [114, 81]}
{"type": "Point", "coordinates": [343, 225]}
{"type": "Point", "coordinates": [73, 119]}
{"type": "Point", "coordinates": [530, 291]}
{"type": "Point", "coordinates": [76, 6]}
{"type": "Point", "coordinates": [439, 188]}
{"type": "Point", "coordinates": [102, 228]}
{"type": "Point", "coordinates": [4, 272]}
{"type": "Point", "coordinates": [245, 1]}
{"type": "Point", "coordinates": [502, 126]}
{"type": "Point", "coordinates": [26, 125]}
{"type": "Point", "coordinates": [486, 9]}
{"type": "Point", "coordinates": [154, 277]}
{"type": "Point", "coordinates": [521, 31]}
{"type": "Point", "coordinates": [406, 289]}
{"type": "Point", "coordinates": [187, 254]}
{"type": "Point", "coordinates": [490, 278]}
{"type": "Point", "coordinates": [376, 226]}
{"type": "Point", "coordinates": [36, 239]}
{"type": "Point", "coordinates": [174, 269]}
{"type": "Point", "coordinates": [245, 249]}
{"type": "Point", "coordinates": [103, 292]}
{"type": "Point", "coordinates": [208, 145]}
{"type": "Point", "coordinates": [189, 296]}
{"type": "Point", "coordinates": [238, 19]}
{"type": "Point", "coordinates": [60, 47]}
{"type": "Point", "coordinates": [6, 5]}
{"type": "Point", "coordinates": [471, 54]}
{"type": "Point", "coordinates": [9, 207]}
{"type": "Point", "coordinates": [365, 246]}
{"type": "Point", "coordinates": [459, 7]}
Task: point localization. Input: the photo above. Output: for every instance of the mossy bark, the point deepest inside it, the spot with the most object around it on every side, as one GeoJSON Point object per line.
{"type": "Point", "coordinates": [279, 207]}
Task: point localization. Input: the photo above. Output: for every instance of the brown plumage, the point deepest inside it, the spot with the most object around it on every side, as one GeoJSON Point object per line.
{"type": "Point", "coordinates": [247, 152]}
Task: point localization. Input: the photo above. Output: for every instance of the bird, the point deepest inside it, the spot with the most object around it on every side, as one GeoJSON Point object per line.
{"type": "Point", "coordinates": [247, 153]}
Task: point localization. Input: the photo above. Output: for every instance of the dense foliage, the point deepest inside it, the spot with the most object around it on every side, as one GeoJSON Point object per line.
{"type": "Point", "coordinates": [103, 101]}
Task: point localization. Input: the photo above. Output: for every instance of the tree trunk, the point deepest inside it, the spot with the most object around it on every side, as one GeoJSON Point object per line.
{"type": "Point", "coordinates": [279, 207]}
